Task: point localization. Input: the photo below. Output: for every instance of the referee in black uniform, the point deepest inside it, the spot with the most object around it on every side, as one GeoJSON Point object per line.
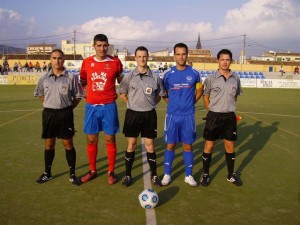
{"type": "Point", "coordinates": [141, 90]}
{"type": "Point", "coordinates": [221, 90]}
{"type": "Point", "coordinates": [60, 93]}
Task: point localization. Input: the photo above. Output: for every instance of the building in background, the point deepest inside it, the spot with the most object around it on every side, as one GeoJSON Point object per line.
{"type": "Point", "coordinates": [278, 57]}
{"type": "Point", "coordinates": [83, 49]}
{"type": "Point", "coordinates": [40, 49]}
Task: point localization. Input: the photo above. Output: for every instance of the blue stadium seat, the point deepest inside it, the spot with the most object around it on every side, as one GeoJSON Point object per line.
{"type": "Point", "coordinates": [257, 77]}
{"type": "Point", "coordinates": [261, 73]}
{"type": "Point", "coordinates": [202, 72]}
{"type": "Point", "coordinates": [246, 76]}
{"type": "Point", "coordinates": [234, 73]}
{"type": "Point", "coordinates": [208, 72]}
{"type": "Point", "coordinates": [245, 73]}
{"type": "Point", "coordinates": [252, 77]}
{"type": "Point", "coordinates": [250, 73]}
{"type": "Point", "coordinates": [240, 73]}
{"type": "Point", "coordinates": [242, 76]}
{"type": "Point", "coordinates": [255, 73]}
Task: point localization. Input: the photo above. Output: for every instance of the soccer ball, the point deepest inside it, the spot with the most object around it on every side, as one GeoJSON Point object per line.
{"type": "Point", "coordinates": [148, 198]}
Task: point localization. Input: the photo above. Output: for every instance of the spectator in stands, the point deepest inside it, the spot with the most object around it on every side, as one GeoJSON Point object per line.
{"type": "Point", "coordinates": [16, 67]}
{"type": "Point", "coordinates": [44, 67]}
{"type": "Point", "coordinates": [161, 68]}
{"type": "Point", "coordinates": [6, 68]}
{"type": "Point", "coordinates": [19, 67]}
{"type": "Point", "coordinates": [37, 67]}
{"type": "Point", "coordinates": [281, 70]}
{"type": "Point", "coordinates": [49, 67]}
{"type": "Point", "coordinates": [30, 65]}
{"type": "Point", "coordinates": [296, 70]}
{"type": "Point", "coordinates": [1, 69]}
{"type": "Point", "coordinates": [26, 66]}
{"type": "Point", "coordinates": [165, 67]}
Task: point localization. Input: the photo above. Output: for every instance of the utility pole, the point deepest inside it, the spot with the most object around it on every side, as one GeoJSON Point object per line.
{"type": "Point", "coordinates": [74, 38]}
{"type": "Point", "coordinates": [44, 50]}
{"type": "Point", "coordinates": [244, 50]}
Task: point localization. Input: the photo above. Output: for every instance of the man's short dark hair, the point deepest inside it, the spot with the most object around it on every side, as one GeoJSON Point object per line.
{"type": "Point", "coordinates": [100, 37]}
{"type": "Point", "coordinates": [58, 50]}
{"type": "Point", "coordinates": [181, 45]}
{"type": "Point", "coordinates": [224, 52]}
{"type": "Point", "coordinates": [141, 48]}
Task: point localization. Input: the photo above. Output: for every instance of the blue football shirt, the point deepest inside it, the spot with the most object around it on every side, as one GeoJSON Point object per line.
{"type": "Point", "coordinates": [181, 85]}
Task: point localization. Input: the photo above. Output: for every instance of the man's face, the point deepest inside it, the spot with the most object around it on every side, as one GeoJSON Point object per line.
{"type": "Point", "coordinates": [101, 48]}
{"type": "Point", "coordinates": [141, 58]}
{"type": "Point", "coordinates": [57, 60]}
{"type": "Point", "coordinates": [180, 56]}
{"type": "Point", "coordinates": [224, 61]}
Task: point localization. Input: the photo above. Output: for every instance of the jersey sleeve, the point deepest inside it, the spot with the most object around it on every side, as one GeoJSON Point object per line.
{"type": "Point", "coordinates": [83, 74]}
{"type": "Point", "coordinates": [119, 66]}
{"type": "Point", "coordinates": [207, 86]}
{"type": "Point", "coordinates": [79, 93]}
{"type": "Point", "coordinates": [165, 81]}
{"type": "Point", "coordinates": [123, 88]}
{"type": "Point", "coordinates": [39, 89]}
{"type": "Point", "coordinates": [160, 91]}
{"type": "Point", "coordinates": [239, 87]}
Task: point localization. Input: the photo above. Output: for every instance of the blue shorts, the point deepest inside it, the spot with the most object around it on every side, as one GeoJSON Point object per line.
{"type": "Point", "coordinates": [101, 118]}
{"type": "Point", "coordinates": [180, 129]}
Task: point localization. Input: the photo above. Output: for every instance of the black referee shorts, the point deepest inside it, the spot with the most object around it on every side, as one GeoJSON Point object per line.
{"type": "Point", "coordinates": [58, 123]}
{"type": "Point", "coordinates": [140, 122]}
{"type": "Point", "coordinates": [220, 126]}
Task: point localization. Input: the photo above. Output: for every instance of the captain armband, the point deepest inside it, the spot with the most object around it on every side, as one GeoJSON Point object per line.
{"type": "Point", "coordinates": [199, 85]}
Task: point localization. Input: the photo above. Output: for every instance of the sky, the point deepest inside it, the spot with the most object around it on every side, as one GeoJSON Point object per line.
{"type": "Point", "coordinates": [254, 25]}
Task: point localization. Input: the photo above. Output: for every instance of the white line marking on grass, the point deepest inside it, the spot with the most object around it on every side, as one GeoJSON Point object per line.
{"type": "Point", "coordinates": [3, 124]}
{"type": "Point", "coordinates": [279, 128]}
{"type": "Point", "coordinates": [150, 213]}
{"type": "Point", "coordinates": [271, 114]}
{"type": "Point", "coordinates": [280, 147]}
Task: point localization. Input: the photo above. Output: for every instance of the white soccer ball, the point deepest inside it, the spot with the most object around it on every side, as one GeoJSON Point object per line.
{"type": "Point", "coordinates": [148, 198]}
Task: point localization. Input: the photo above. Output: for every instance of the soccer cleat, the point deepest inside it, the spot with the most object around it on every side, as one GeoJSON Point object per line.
{"type": "Point", "coordinates": [89, 176]}
{"type": "Point", "coordinates": [234, 179]}
{"type": "Point", "coordinates": [205, 180]}
{"type": "Point", "coordinates": [166, 180]}
{"type": "Point", "coordinates": [127, 181]}
{"type": "Point", "coordinates": [156, 181]}
{"type": "Point", "coordinates": [44, 178]}
{"type": "Point", "coordinates": [111, 178]}
{"type": "Point", "coordinates": [190, 180]}
{"type": "Point", "coordinates": [74, 180]}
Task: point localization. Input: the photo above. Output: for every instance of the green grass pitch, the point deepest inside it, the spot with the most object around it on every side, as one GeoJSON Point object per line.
{"type": "Point", "coordinates": [267, 159]}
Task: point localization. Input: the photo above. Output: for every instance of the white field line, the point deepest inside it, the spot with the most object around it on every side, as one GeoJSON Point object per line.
{"type": "Point", "coordinates": [285, 149]}
{"type": "Point", "coordinates": [271, 114]}
{"type": "Point", "coordinates": [270, 124]}
{"type": "Point", "coordinates": [150, 213]}
{"type": "Point", "coordinates": [16, 119]}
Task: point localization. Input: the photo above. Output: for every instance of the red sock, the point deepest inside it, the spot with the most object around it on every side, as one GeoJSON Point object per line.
{"type": "Point", "coordinates": [111, 150]}
{"type": "Point", "coordinates": [92, 152]}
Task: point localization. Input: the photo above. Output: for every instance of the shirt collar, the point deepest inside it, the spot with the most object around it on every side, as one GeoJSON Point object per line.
{"type": "Point", "coordinates": [135, 72]}
{"type": "Point", "coordinates": [219, 74]}
{"type": "Point", "coordinates": [50, 73]}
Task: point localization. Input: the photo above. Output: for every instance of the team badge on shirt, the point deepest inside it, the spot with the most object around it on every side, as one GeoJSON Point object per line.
{"type": "Point", "coordinates": [148, 91]}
